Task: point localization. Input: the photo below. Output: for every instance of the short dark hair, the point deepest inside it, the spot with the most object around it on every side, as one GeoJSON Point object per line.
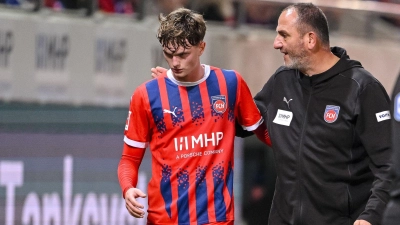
{"type": "Point", "coordinates": [180, 27]}
{"type": "Point", "coordinates": [311, 17]}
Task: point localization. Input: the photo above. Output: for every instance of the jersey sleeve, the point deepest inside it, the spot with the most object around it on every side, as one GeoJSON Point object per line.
{"type": "Point", "coordinates": [137, 125]}
{"type": "Point", "coordinates": [249, 116]}
{"type": "Point", "coordinates": [128, 167]}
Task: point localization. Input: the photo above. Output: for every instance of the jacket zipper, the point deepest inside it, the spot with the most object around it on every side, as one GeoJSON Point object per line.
{"type": "Point", "coordinates": [299, 220]}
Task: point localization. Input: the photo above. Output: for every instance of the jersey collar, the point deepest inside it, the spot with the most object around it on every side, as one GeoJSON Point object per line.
{"type": "Point", "coordinates": [188, 84]}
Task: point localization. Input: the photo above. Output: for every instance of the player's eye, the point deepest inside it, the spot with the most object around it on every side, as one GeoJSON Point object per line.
{"type": "Point", "coordinates": [168, 55]}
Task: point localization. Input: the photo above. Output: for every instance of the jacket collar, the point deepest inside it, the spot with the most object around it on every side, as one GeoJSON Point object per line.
{"type": "Point", "coordinates": [344, 63]}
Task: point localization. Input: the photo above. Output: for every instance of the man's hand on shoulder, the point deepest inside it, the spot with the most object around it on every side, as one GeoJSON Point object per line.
{"type": "Point", "coordinates": [133, 206]}
{"type": "Point", "coordinates": [158, 71]}
{"type": "Point", "coordinates": [361, 222]}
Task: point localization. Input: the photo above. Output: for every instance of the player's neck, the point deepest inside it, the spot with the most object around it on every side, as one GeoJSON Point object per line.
{"type": "Point", "coordinates": [197, 74]}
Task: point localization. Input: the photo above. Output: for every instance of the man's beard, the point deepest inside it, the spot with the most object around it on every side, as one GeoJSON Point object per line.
{"type": "Point", "coordinates": [297, 59]}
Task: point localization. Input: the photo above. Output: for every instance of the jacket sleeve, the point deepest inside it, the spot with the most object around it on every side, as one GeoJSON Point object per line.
{"type": "Point", "coordinates": [264, 97]}
{"type": "Point", "coordinates": [373, 126]}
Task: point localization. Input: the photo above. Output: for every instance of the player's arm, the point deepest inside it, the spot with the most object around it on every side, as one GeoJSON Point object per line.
{"type": "Point", "coordinates": [262, 134]}
{"type": "Point", "coordinates": [128, 170]}
{"type": "Point", "coordinates": [135, 143]}
{"type": "Point", "coordinates": [248, 113]}
{"type": "Point", "coordinates": [240, 132]}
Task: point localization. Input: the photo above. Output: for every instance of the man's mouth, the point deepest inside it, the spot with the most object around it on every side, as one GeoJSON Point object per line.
{"type": "Point", "coordinates": [176, 70]}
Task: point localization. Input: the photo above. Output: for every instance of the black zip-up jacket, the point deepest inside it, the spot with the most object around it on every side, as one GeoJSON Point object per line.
{"type": "Point", "coordinates": [331, 139]}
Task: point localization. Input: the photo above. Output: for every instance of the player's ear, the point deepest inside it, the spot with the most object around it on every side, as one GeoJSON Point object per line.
{"type": "Point", "coordinates": [202, 46]}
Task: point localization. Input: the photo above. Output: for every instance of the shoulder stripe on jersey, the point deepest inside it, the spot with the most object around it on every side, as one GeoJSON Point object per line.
{"type": "Point", "coordinates": [213, 89]}
{"type": "Point", "coordinates": [175, 103]}
{"type": "Point", "coordinates": [196, 105]}
{"type": "Point", "coordinates": [153, 93]}
{"type": "Point", "coordinates": [232, 85]}
{"type": "Point", "coordinates": [135, 144]}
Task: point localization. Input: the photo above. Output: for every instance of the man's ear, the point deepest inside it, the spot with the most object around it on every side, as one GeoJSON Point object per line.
{"type": "Point", "coordinates": [311, 40]}
{"type": "Point", "coordinates": [202, 47]}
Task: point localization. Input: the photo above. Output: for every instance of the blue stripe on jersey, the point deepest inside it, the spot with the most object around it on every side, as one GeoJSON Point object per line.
{"type": "Point", "coordinates": [183, 196]}
{"type": "Point", "coordinates": [201, 195]}
{"type": "Point", "coordinates": [219, 202]}
{"type": "Point", "coordinates": [229, 179]}
{"type": "Point", "coordinates": [196, 105]}
{"type": "Point", "coordinates": [153, 93]}
{"type": "Point", "coordinates": [213, 90]}
{"type": "Point", "coordinates": [175, 103]}
{"type": "Point", "coordinates": [165, 188]}
{"type": "Point", "coordinates": [231, 84]}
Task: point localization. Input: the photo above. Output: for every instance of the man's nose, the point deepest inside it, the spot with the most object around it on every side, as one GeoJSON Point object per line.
{"type": "Point", "coordinates": [175, 61]}
{"type": "Point", "coordinates": [277, 43]}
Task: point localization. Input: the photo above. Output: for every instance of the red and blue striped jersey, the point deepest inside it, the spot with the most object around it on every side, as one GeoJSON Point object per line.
{"type": "Point", "coordinates": [190, 129]}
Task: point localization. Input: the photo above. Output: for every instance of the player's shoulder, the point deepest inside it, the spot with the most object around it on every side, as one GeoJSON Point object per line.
{"type": "Point", "coordinates": [226, 72]}
{"type": "Point", "coordinates": [147, 85]}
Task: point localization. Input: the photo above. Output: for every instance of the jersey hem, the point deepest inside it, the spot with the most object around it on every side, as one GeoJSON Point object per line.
{"type": "Point", "coordinates": [255, 126]}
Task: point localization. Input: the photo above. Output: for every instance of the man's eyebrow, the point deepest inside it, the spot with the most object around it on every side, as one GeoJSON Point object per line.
{"type": "Point", "coordinates": [281, 32]}
{"type": "Point", "coordinates": [169, 52]}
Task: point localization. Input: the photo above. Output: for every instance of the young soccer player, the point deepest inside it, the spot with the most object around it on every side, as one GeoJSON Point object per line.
{"type": "Point", "coordinates": [187, 116]}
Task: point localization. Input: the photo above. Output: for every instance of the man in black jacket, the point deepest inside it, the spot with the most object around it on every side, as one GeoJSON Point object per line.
{"type": "Point", "coordinates": [329, 123]}
{"type": "Point", "coordinates": [392, 214]}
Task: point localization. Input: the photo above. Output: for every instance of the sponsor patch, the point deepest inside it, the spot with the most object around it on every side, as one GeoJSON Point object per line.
{"type": "Point", "coordinates": [283, 117]}
{"type": "Point", "coordinates": [397, 107]}
{"type": "Point", "coordinates": [331, 113]}
{"type": "Point", "coordinates": [219, 103]}
{"type": "Point", "coordinates": [385, 115]}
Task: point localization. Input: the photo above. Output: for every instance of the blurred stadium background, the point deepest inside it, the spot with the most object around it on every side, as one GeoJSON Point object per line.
{"type": "Point", "coordinates": [68, 68]}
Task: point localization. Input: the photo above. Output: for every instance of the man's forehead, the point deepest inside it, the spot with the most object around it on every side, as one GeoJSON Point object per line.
{"type": "Point", "coordinates": [287, 21]}
{"type": "Point", "coordinates": [171, 48]}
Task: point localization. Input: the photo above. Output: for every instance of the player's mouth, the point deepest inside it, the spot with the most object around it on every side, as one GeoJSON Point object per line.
{"type": "Point", "coordinates": [175, 71]}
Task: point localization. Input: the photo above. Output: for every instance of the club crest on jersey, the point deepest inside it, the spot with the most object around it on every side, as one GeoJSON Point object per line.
{"type": "Point", "coordinates": [219, 103]}
{"type": "Point", "coordinates": [331, 113]}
